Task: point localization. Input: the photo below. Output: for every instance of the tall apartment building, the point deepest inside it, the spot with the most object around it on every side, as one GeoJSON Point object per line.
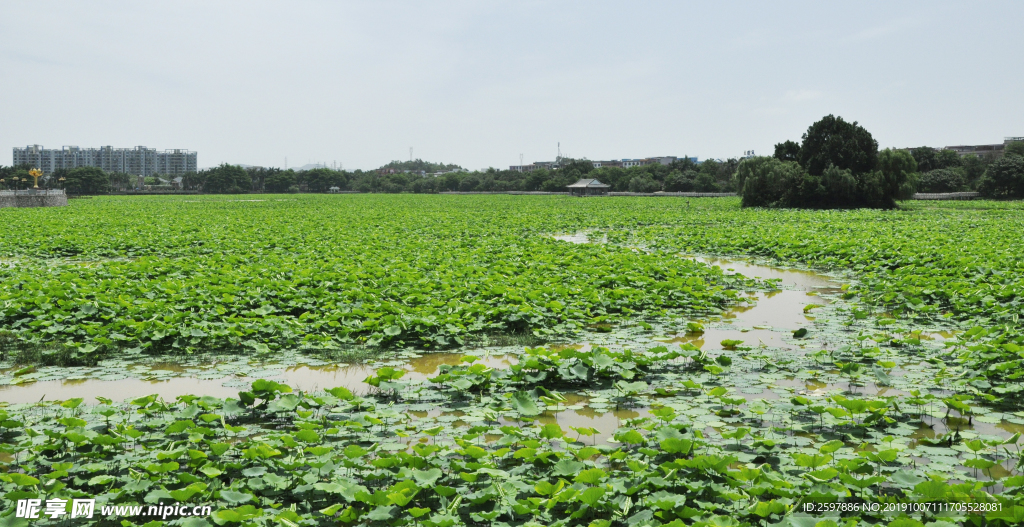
{"type": "Point", "coordinates": [138, 161]}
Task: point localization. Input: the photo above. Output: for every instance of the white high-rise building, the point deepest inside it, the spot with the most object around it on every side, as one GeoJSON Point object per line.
{"type": "Point", "coordinates": [138, 161]}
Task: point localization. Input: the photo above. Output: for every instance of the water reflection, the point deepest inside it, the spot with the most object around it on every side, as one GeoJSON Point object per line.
{"type": "Point", "coordinates": [581, 237]}
{"type": "Point", "coordinates": [605, 421]}
{"type": "Point", "coordinates": [714, 336]}
{"type": "Point", "coordinates": [817, 388]}
{"type": "Point", "coordinates": [427, 364]}
{"type": "Point", "coordinates": [778, 309]}
{"type": "Point", "coordinates": [124, 389]}
{"type": "Point", "coordinates": [299, 376]}
{"type": "Point", "coordinates": [799, 279]}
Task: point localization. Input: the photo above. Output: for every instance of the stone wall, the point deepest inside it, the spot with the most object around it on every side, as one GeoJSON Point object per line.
{"type": "Point", "coordinates": [28, 198]}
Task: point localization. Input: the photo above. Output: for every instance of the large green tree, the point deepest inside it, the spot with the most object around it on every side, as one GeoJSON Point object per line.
{"type": "Point", "coordinates": [926, 158]}
{"type": "Point", "coordinates": [721, 172]}
{"type": "Point", "coordinates": [787, 151]}
{"type": "Point", "coordinates": [1004, 178]}
{"type": "Point", "coordinates": [13, 174]}
{"type": "Point", "coordinates": [897, 168]}
{"type": "Point", "coordinates": [839, 167]}
{"type": "Point", "coordinates": [948, 159]}
{"type": "Point", "coordinates": [769, 182]}
{"type": "Point", "coordinates": [281, 181]}
{"type": "Point", "coordinates": [226, 179]}
{"type": "Point", "coordinates": [678, 181]}
{"type": "Point", "coordinates": [942, 180]}
{"type": "Point", "coordinates": [929, 158]}
{"type": "Point", "coordinates": [575, 169]}
{"type": "Point", "coordinates": [643, 182]}
{"type": "Point", "coordinates": [322, 179]}
{"type": "Point", "coordinates": [973, 167]}
{"type": "Point", "coordinates": [84, 180]}
{"type": "Point", "coordinates": [833, 141]}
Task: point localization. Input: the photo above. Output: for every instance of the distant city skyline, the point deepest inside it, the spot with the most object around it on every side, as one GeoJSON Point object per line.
{"type": "Point", "coordinates": [480, 84]}
{"type": "Point", "coordinates": [138, 160]}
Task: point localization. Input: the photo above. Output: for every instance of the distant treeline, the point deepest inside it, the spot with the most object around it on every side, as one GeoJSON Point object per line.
{"type": "Point", "coordinates": [682, 175]}
{"type": "Point", "coordinates": [945, 171]}
{"type": "Point", "coordinates": [398, 176]}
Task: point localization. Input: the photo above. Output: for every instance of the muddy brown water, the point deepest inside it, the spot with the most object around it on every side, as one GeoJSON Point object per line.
{"type": "Point", "coordinates": [816, 388]}
{"type": "Point", "coordinates": [300, 377]}
{"type": "Point", "coordinates": [799, 279]}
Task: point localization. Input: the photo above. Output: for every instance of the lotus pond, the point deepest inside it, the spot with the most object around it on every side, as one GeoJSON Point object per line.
{"type": "Point", "coordinates": [522, 361]}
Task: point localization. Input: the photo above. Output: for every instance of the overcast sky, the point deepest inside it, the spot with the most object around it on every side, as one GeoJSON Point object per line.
{"type": "Point", "coordinates": [478, 83]}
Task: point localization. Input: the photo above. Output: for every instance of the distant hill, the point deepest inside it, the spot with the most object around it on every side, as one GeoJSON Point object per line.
{"type": "Point", "coordinates": [310, 166]}
{"type": "Point", "coordinates": [420, 165]}
{"type": "Point", "coordinates": [233, 164]}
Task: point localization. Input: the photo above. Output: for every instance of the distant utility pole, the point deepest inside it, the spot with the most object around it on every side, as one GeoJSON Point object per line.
{"type": "Point", "coordinates": [410, 153]}
{"type": "Point", "coordinates": [520, 162]}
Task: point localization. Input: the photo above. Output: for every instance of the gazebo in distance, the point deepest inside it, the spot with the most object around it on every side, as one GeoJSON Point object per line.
{"type": "Point", "coordinates": [588, 187]}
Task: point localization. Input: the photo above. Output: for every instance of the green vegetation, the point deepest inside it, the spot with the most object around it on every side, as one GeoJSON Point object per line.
{"type": "Point", "coordinates": [10, 177]}
{"type": "Point", "coordinates": [329, 271]}
{"type": "Point", "coordinates": [426, 178]}
{"type": "Point", "coordinates": [1004, 178]}
{"type": "Point", "coordinates": [833, 142]}
{"type": "Point", "coordinates": [866, 405]}
{"type": "Point", "coordinates": [703, 454]}
{"type": "Point", "coordinates": [958, 260]}
{"type": "Point", "coordinates": [945, 171]}
{"type": "Point", "coordinates": [323, 272]}
{"type": "Point", "coordinates": [429, 178]}
{"type": "Point", "coordinates": [226, 179]}
{"type": "Point", "coordinates": [837, 166]}
{"type": "Point", "coordinates": [942, 180]}
{"type": "Point", "coordinates": [86, 180]}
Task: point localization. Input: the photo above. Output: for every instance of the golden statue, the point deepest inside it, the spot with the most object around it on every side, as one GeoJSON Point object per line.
{"type": "Point", "coordinates": [35, 173]}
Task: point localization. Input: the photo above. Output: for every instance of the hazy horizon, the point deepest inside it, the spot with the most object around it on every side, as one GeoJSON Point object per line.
{"type": "Point", "coordinates": [478, 84]}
